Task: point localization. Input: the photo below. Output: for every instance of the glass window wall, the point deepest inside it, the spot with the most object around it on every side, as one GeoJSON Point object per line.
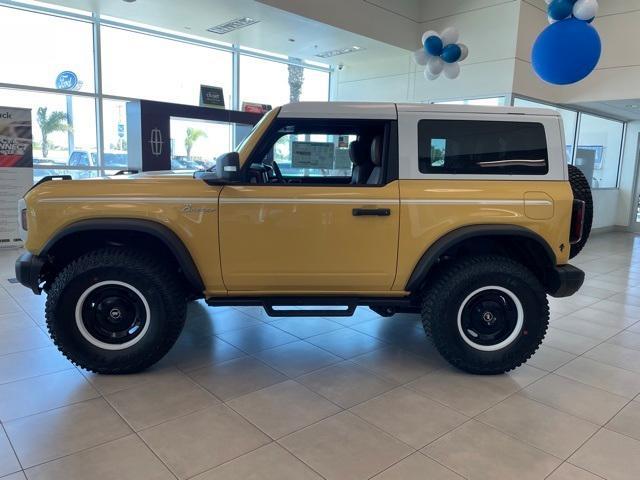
{"type": "Point", "coordinates": [599, 150]}
{"type": "Point", "coordinates": [137, 65]}
{"type": "Point", "coordinates": [488, 102]}
{"type": "Point", "coordinates": [43, 47]}
{"type": "Point", "coordinates": [569, 119]}
{"type": "Point", "coordinates": [137, 62]}
{"type": "Point", "coordinates": [599, 143]}
{"type": "Point", "coordinates": [275, 83]}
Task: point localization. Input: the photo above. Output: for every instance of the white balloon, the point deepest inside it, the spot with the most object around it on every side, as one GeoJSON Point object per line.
{"type": "Point", "coordinates": [452, 70]}
{"type": "Point", "coordinates": [585, 9]}
{"type": "Point", "coordinates": [421, 57]}
{"type": "Point", "coordinates": [464, 52]}
{"type": "Point", "coordinates": [449, 35]}
{"type": "Point", "coordinates": [548, 1]}
{"type": "Point", "coordinates": [430, 76]}
{"type": "Point", "coordinates": [435, 65]}
{"type": "Point", "coordinates": [427, 34]}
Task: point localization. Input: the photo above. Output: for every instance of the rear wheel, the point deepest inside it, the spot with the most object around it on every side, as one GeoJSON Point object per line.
{"type": "Point", "coordinates": [115, 311]}
{"type": "Point", "coordinates": [487, 315]}
{"type": "Point", "coordinates": [581, 191]}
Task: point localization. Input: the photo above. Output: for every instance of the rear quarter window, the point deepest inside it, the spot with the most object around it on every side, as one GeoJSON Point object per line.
{"type": "Point", "coordinates": [482, 147]}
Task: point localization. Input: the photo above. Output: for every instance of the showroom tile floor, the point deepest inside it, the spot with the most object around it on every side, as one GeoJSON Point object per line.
{"type": "Point", "coordinates": [244, 395]}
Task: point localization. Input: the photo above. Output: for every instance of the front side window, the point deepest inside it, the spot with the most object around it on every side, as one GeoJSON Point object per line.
{"type": "Point", "coordinates": [482, 147]}
{"type": "Point", "coordinates": [323, 152]}
{"type": "Point", "coordinates": [314, 155]}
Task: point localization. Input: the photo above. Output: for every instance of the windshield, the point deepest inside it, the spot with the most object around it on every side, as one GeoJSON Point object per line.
{"type": "Point", "coordinates": [262, 124]}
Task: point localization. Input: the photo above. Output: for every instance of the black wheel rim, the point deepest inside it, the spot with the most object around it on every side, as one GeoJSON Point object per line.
{"type": "Point", "coordinates": [114, 314]}
{"type": "Point", "coordinates": [489, 318]}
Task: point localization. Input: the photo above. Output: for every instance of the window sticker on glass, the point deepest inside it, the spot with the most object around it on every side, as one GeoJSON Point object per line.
{"type": "Point", "coordinates": [438, 151]}
{"type": "Point", "coordinates": [312, 155]}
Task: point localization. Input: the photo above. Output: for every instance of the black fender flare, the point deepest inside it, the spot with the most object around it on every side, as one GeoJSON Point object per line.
{"type": "Point", "coordinates": [162, 233]}
{"type": "Point", "coordinates": [430, 257]}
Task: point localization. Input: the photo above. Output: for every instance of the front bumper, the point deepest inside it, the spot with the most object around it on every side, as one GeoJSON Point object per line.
{"type": "Point", "coordinates": [564, 281]}
{"type": "Point", "coordinates": [29, 270]}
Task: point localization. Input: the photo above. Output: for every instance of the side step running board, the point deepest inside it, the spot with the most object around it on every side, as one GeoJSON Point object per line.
{"type": "Point", "coordinates": [343, 312]}
{"type": "Point", "coordinates": [342, 306]}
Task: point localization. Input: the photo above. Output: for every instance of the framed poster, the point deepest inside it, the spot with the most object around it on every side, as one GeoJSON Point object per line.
{"type": "Point", "coordinates": [16, 169]}
{"type": "Point", "coordinates": [212, 97]}
{"type": "Point", "coordinates": [255, 107]}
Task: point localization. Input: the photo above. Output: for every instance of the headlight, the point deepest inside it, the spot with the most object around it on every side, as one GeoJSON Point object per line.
{"type": "Point", "coordinates": [23, 219]}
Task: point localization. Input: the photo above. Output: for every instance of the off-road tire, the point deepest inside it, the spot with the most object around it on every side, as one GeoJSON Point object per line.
{"type": "Point", "coordinates": [581, 191]}
{"type": "Point", "coordinates": [443, 301]}
{"type": "Point", "coordinates": [160, 289]}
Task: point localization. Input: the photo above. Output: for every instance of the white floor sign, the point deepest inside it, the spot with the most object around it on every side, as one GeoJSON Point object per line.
{"type": "Point", "coordinates": [16, 169]}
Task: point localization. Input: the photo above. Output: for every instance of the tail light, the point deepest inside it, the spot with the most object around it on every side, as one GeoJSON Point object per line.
{"type": "Point", "coordinates": [577, 221]}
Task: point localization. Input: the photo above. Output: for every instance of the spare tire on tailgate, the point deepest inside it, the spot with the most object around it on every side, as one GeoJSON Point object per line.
{"type": "Point", "coordinates": [581, 191]}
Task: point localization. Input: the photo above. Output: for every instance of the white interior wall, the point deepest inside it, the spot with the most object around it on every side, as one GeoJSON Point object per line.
{"type": "Point", "coordinates": [487, 72]}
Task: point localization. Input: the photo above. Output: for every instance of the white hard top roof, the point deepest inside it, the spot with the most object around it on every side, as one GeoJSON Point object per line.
{"type": "Point", "coordinates": [390, 110]}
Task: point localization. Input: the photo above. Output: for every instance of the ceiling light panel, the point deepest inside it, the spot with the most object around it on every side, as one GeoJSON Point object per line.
{"type": "Point", "coordinates": [232, 25]}
{"type": "Point", "coordinates": [339, 51]}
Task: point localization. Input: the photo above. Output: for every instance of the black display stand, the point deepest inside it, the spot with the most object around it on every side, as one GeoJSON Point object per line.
{"type": "Point", "coordinates": [149, 132]}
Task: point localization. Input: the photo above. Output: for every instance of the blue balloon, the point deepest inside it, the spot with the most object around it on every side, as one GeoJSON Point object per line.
{"type": "Point", "coordinates": [433, 45]}
{"type": "Point", "coordinates": [451, 53]}
{"type": "Point", "coordinates": [566, 52]}
{"type": "Point", "coordinates": [560, 9]}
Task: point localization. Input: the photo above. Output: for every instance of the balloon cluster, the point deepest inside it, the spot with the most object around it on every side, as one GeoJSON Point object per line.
{"type": "Point", "coordinates": [441, 53]}
{"type": "Point", "coordinates": [569, 49]}
{"type": "Point", "coordinates": [581, 9]}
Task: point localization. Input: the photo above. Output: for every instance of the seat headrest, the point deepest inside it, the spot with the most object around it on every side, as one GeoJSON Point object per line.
{"type": "Point", "coordinates": [358, 152]}
{"type": "Point", "coordinates": [376, 151]}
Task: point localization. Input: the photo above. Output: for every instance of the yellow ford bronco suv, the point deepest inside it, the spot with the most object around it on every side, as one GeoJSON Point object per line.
{"type": "Point", "coordinates": [465, 215]}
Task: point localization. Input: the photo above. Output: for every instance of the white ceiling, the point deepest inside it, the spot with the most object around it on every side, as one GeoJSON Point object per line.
{"type": "Point", "coordinates": [273, 33]}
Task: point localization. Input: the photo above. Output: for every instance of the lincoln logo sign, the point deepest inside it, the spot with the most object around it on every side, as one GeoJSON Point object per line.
{"type": "Point", "coordinates": [156, 142]}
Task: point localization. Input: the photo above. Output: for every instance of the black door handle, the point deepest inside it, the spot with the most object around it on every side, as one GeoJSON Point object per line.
{"type": "Point", "coordinates": [371, 212]}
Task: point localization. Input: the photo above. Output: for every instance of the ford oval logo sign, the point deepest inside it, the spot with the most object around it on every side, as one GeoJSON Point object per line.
{"type": "Point", "coordinates": [66, 80]}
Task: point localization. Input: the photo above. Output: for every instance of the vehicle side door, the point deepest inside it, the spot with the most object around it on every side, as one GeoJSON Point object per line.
{"type": "Point", "coordinates": [302, 221]}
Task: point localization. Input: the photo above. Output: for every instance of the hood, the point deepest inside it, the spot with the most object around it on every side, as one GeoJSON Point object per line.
{"type": "Point", "coordinates": [152, 184]}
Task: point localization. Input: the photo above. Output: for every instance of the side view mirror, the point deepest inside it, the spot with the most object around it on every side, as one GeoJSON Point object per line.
{"type": "Point", "coordinates": [228, 167]}
{"type": "Point", "coordinates": [226, 170]}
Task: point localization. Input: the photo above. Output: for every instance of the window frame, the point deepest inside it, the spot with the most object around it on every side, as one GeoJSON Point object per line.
{"type": "Point", "coordinates": [429, 171]}
{"type": "Point", "coordinates": [269, 139]}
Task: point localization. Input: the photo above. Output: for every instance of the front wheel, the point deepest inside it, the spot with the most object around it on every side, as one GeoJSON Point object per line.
{"type": "Point", "coordinates": [115, 311]}
{"type": "Point", "coordinates": [487, 314]}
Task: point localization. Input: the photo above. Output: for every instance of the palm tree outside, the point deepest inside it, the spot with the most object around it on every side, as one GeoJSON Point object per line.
{"type": "Point", "coordinates": [296, 80]}
{"type": "Point", "coordinates": [193, 135]}
{"type": "Point", "coordinates": [56, 122]}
